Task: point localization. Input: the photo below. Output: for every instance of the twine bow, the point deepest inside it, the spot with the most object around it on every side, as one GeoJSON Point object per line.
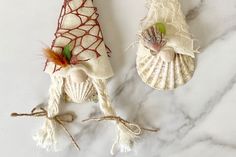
{"type": "Point", "coordinates": [134, 129]}
{"type": "Point", "coordinates": [59, 119]}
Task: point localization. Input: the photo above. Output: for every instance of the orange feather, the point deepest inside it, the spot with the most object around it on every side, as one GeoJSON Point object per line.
{"type": "Point", "coordinates": [54, 57]}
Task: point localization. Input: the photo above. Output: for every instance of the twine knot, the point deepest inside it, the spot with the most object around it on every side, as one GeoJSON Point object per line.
{"type": "Point", "coordinates": [133, 128]}
{"type": "Point", "coordinates": [59, 119]}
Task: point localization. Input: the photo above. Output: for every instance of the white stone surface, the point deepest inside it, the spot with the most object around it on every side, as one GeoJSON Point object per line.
{"type": "Point", "coordinates": [197, 119]}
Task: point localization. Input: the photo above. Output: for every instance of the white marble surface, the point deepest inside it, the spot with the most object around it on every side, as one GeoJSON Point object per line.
{"type": "Point", "coordinates": [195, 120]}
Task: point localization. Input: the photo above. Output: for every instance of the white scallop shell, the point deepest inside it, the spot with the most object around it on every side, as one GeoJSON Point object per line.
{"type": "Point", "coordinates": [167, 69]}
{"type": "Point", "coordinates": [81, 92]}
{"type": "Point", "coordinates": [163, 75]}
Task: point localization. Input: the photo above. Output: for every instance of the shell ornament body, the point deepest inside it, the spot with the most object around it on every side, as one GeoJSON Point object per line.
{"type": "Point", "coordinates": [166, 52]}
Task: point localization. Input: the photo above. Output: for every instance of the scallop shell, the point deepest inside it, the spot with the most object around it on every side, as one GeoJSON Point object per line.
{"type": "Point", "coordinates": [79, 92]}
{"type": "Point", "coordinates": [152, 39]}
{"type": "Point", "coordinates": [163, 75]}
{"type": "Point", "coordinates": [171, 64]}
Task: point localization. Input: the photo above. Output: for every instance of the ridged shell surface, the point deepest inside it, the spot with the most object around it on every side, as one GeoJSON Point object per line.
{"type": "Point", "coordinates": [81, 92]}
{"type": "Point", "coordinates": [152, 39]}
{"type": "Point", "coordinates": [169, 64]}
{"type": "Point", "coordinates": [162, 75]}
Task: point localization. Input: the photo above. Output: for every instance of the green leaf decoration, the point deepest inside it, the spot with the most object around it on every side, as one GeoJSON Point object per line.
{"type": "Point", "coordinates": [161, 27]}
{"type": "Point", "coordinates": [67, 53]}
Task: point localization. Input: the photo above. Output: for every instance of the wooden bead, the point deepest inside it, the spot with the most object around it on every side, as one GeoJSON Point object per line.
{"type": "Point", "coordinates": [78, 76]}
{"type": "Point", "coordinates": [167, 54]}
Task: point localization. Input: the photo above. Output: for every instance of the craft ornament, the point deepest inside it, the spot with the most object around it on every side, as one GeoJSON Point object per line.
{"type": "Point", "coordinates": [166, 52]}
{"type": "Point", "coordinates": [78, 65]}
{"type": "Point", "coordinates": [88, 65]}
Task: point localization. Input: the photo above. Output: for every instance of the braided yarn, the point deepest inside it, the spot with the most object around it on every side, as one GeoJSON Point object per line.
{"type": "Point", "coordinates": [125, 138]}
{"type": "Point", "coordinates": [46, 136]}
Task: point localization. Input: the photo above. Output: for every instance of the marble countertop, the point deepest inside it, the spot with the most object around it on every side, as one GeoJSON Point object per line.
{"type": "Point", "coordinates": [197, 119]}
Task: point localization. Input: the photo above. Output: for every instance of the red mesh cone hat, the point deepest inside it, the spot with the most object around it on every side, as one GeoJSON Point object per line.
{"type": "Point", "coordinates": [78, 29]}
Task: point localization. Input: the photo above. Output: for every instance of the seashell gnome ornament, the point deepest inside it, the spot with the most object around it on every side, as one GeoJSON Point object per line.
{"type": "Point", "coordinates": [78, 65]}
{"type": "Point", "coordinates": [166, 52]}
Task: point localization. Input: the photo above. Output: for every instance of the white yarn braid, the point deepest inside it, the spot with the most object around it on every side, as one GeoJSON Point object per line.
{"type": "Point", "coordinates": [46, 136]}
{"type": "Point", "coordinates": [125, 138]}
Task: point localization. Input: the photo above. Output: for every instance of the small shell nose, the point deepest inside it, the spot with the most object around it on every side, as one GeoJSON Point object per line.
{"type": "Point", "coordinates": [78, 76]}
{"type": "Point", "coordinates": [167, 54]}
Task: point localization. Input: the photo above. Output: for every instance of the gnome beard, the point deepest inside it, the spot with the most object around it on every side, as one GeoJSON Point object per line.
{"type": "Point", "coordinates": [78, 64]}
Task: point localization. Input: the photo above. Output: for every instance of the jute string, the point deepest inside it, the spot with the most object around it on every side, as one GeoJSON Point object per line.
{"type": "Point", "coordinates": [59, 119]}
{"type": "Point", "coordinates": [133, 128]}
{"type": "Point", "coordinates": [127, 131]}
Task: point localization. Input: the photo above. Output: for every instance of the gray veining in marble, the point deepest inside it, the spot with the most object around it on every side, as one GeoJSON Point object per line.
{"type": "Point", "coordinates": [197, 119]}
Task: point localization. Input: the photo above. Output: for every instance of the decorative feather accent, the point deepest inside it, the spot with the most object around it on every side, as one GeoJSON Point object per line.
{"type": "Point", "coordinates": [58, 59]}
